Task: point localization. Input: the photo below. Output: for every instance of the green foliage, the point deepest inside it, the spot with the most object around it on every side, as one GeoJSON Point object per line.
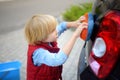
{"type": "Point", "coordinates": [75, 11]}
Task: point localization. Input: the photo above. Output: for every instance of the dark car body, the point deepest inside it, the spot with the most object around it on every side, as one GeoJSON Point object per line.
{"type": "Point", "coordinates": [106, 32]}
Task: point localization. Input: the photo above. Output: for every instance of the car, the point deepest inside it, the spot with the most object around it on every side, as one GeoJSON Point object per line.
{"type": "Point", "coordinates": [100, 56]}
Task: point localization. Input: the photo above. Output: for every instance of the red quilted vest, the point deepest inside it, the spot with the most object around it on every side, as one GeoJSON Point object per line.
{"type": "Point", "coordinates": [42, 72]}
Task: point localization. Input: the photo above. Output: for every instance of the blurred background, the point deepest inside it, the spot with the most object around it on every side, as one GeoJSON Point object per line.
{"type": "Point", "coordinates": [13, 46]}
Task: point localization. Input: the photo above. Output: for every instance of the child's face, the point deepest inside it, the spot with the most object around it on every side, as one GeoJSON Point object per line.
{"type": "Point", "coordinates": [52, 37]}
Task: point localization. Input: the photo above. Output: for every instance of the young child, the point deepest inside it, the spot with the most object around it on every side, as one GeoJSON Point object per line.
{"type": "Point", "coordinates": [44, 58]}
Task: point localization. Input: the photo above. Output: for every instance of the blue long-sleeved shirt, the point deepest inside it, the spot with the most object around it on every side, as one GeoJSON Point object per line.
{"type": "Point", "coordinates": [42, 56]}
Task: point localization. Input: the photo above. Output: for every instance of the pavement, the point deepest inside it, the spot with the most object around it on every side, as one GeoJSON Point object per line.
{"type": "Point", "coordinates": [13, 46]}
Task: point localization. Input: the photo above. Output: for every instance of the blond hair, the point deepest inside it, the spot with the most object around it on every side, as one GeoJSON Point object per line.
{"type": "Point", "coordinates": [39, 27]}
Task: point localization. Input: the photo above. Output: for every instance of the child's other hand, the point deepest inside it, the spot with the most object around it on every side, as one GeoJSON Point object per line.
{"type": "Point", "coordinates": [83, 18]}
{"type": "Point", "coordinates": [80, 28]}
{"type": "Point", "coordinates": [80, 20]}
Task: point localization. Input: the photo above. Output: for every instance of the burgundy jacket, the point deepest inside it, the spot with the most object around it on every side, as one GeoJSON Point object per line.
{"type": "Point", "coordinates": [42, 72]}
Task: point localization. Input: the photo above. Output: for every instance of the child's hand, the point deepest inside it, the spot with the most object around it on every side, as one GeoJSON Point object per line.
{"type": "Point", "coordinates": [83, 18]}
{"type": "Point", "coordinates": [76, 23]}
{"type": "Point", "coordinates": [80, 28]}
{"type": "Point", "coordinates": [80, 20]}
